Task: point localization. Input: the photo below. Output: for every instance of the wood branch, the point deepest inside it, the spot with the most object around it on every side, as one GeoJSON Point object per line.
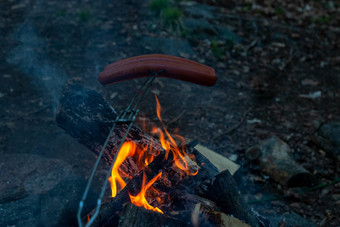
{"type": "Point", "coordinates": [222, 190]}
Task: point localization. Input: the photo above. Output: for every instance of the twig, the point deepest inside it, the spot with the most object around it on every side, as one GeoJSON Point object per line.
{"type": "Point", "coordinates": [290, 58]}
{"type": "Point", "coordinates": [27, 114]}
{"type": "Point", "coordinates": [250, 46]}
{"type": "Point", "coordinates": [240, 122]}
{"type": "Point", "coordinates": [176, 118]}
{"type": "Point", "coordinates": [235, 126]}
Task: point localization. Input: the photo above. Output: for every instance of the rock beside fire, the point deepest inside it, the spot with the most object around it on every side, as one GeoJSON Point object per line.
{"type": "Point", "coordinates": [330, 131]}
{"type": "Point", "coordinates": [25, 174]}
{"type": "Point", "coordinates": [39, 191]}
{"type": "Point", "coordinates": [273, 155]}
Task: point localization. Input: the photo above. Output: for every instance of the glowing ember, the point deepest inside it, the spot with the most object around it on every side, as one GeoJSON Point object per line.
{"type": "Point", "coordinates": [140, 200]}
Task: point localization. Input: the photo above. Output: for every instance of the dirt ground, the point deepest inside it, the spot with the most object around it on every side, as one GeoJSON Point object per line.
{"type": "Point", "coordinates": [278, 74]}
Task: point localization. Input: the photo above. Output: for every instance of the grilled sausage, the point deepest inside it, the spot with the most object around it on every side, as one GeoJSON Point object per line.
{"type": "Point", "coordinates": [142, 66]}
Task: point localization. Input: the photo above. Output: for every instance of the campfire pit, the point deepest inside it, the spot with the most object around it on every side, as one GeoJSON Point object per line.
{"type": "Point", "coordinates": [175, 183]}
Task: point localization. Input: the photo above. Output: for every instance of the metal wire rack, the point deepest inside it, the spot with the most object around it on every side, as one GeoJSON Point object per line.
{"type": "Point", "coordinates": [128, 117]}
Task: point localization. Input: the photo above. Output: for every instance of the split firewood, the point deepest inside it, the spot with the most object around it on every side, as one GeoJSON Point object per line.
{"type": "Point", "coordinates": [222, 163]}
{"type": "Point", "coordinates": [203, 216]}
{"type": "Point", "coordinates": [222, 190]}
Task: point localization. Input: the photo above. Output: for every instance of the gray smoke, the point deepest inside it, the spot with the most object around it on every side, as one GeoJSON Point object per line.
{"type": "Point", "coordinates": [30, 57]}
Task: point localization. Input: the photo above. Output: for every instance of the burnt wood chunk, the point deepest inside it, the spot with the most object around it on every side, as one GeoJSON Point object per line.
{"type": "Point", "coordinates": [138, 216]}
{"type": "Point", "coordinates": [222, 190]}
{"type": "Point", "coordinates": [85, 115]}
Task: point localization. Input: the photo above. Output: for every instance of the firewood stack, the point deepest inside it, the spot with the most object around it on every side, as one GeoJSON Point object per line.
{"type": "Point", "coordinates": [209, 198]}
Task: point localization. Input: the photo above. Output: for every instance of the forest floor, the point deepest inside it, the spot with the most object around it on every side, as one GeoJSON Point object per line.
{"type": "Point", "coordinates": [278, 68]}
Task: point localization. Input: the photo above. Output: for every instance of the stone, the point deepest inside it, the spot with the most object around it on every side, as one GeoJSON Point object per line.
{"type": "Point", "coordinates": [291, 219]}
{"type": "Point", "coordinates": [174, 47]}
{"type": "Point", "coordinates": [227, 35]}
{"type": "Point", "coordinates": [201, 11]}
{"type": "Point", "coordinates": [331, 132]}
{"type": "Point", "coordinates": [201, 28]}
{"type": "Point", "coordinates": [57, 207]}
{"type": "Point", "coordinates": [277, 162]}
{"type": "Point", "coordinates": [24, 174]}
{"type": "Point", "coordinates": [23, 212]}
{"type": "Point", "coordinates": [39, 191]}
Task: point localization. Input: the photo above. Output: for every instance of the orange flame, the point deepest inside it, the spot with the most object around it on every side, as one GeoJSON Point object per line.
{"type": "Point", "coordinates": [142, 157]}
{"type": "Point", "coordinates": [140, 200]}
{"type": "Point", "coordinates": [127, 149]}
{"type": "Point", "coordinates": [179, 155]}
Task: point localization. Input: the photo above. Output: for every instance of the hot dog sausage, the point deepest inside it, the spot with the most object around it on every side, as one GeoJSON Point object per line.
{"type": "Point", "coordinates": [175, 67]}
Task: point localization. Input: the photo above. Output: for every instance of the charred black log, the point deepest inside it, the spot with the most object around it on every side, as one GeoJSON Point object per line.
{"type": "Point", "coordinates": [86, 116]}
{"type": "Point", "coordinates": [222, 189]}
{"type": "Point", "coordinates": [138, 216]}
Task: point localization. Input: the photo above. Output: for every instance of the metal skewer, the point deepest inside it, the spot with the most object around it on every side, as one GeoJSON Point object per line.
{"type": "Point", "coordinates": [127, 116]}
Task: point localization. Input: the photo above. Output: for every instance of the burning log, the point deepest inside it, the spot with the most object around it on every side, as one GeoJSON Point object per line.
{"type": "Point", "coordinates": [85, 115]}
{"type": "Point", "coordinates": [110, 210]}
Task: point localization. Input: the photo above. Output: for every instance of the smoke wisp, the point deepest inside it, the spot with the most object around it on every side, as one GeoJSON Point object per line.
{"type": "Point", "coordinates": [31, 58]}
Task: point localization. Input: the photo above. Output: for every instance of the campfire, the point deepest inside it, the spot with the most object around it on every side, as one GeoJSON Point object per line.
{"type": "Point", "coordinates": [155, 179]}
{"type": "Point", "coordinates": [140, 156]}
